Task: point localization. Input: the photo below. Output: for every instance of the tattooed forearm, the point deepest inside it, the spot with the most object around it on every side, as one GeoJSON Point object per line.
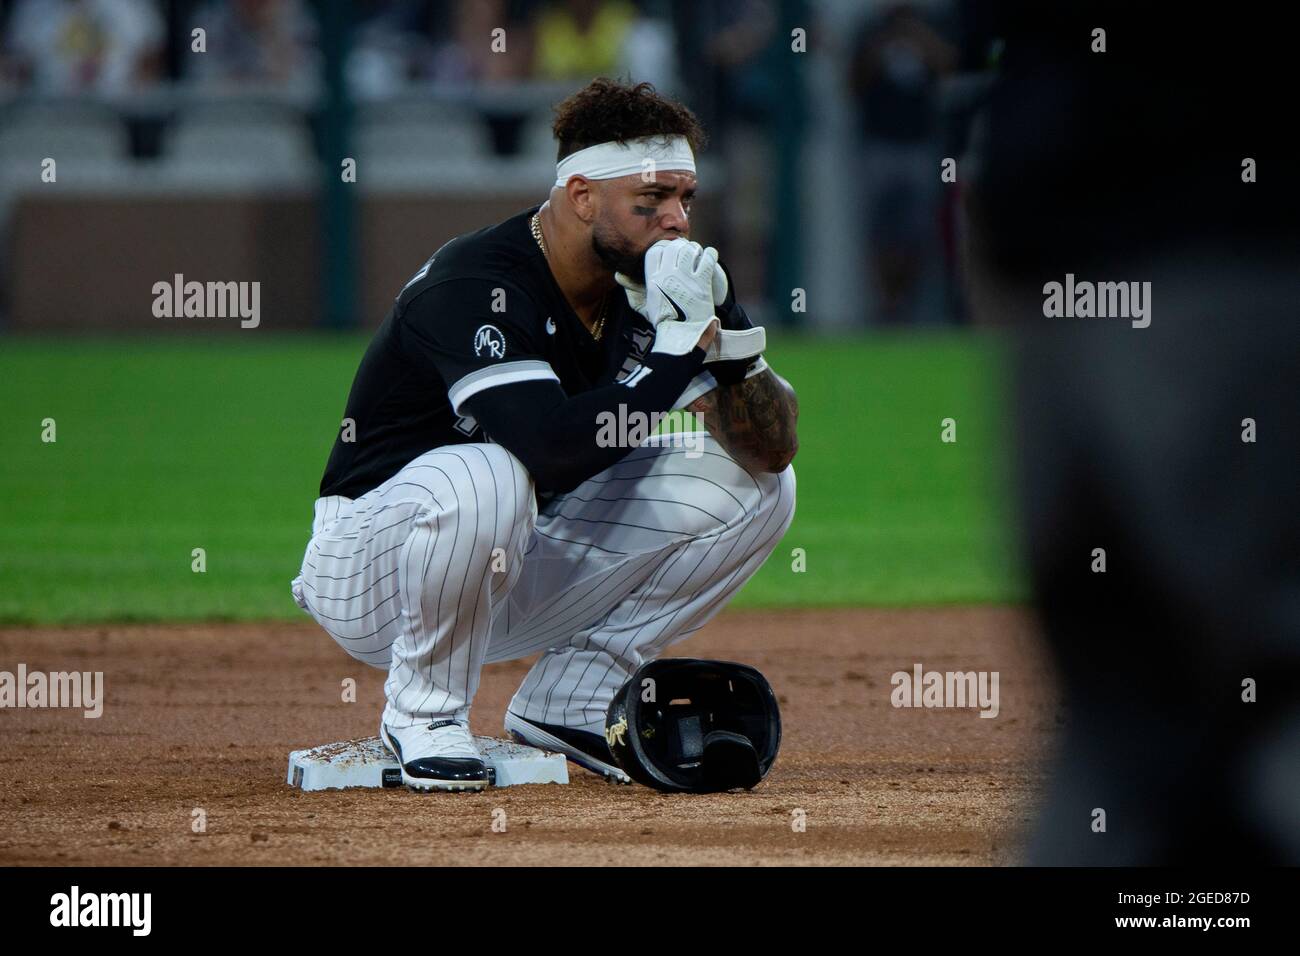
{"type": "Point", "coordinates": [753, 420]}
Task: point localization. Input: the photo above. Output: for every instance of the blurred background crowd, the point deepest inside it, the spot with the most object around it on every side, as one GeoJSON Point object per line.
{"type": "Point", "coordinates": [828, 121]}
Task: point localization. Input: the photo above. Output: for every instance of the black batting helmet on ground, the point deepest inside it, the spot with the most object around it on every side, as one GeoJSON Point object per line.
{"type": "Point", "coordinates": [694, 726]}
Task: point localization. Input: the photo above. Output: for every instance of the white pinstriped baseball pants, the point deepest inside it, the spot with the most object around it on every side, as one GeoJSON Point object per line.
{"type": "Point", "coordinates": [449, 565]}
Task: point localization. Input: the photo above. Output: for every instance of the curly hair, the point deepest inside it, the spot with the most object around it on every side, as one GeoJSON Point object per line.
{"type": "Point", "coordinates": [607, 110]}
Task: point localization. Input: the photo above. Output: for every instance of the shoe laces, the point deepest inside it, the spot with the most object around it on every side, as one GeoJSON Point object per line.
{"type": "Point", "coordinates": [452, 739]}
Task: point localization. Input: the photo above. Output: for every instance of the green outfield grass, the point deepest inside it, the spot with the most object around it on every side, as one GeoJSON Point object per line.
{"type": "Point", "coordinates": [167, 446]}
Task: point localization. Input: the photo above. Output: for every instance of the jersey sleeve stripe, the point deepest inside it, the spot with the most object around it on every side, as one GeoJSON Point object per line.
{"type": "Point", "coordinates": [524, 370]}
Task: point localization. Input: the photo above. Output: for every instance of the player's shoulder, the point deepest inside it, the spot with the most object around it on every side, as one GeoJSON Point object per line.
{"type": "Point", "coordinates": [500, 254]}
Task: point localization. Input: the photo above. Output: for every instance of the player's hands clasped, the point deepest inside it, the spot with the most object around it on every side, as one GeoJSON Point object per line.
{"type": "Point", "coordinates": [679, 281]}
{"type": "Point", "coordinates": [684, 285]}
{"type": "Point", "coordinates": [677, 297]}
{"type": "Point", "coordinates": [677, 271]}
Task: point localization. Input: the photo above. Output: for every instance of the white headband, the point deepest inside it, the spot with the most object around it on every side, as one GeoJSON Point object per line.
{"type": "Point", "coordinates": [611, 160]}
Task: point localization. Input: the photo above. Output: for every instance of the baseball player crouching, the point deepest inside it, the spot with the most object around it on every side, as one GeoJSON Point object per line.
{"type": "Point", "coordinates": [476, 511]}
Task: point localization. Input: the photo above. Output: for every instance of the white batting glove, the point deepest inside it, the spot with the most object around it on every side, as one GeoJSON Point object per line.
{"type": "Point", "coordinates": [719, 282]}
{"type": "Point", "coordinates": [684, 285]}
{"type": "Point", "coordinates": [677, 271]}
{"type": "Point", "coordinates": [678, 338]}
{"type": "Point", "coordinates": [671, 335]}
{"type": "Point", "coordinates": [678, 282]}
{"type": "Point", "coordinates": [730, 344]}
{"type": "Point", "coordinates": [635, 293]}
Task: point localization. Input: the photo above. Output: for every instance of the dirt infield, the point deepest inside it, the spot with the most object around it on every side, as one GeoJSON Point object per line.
{"type": "Point", "coordinates": [203, 717]}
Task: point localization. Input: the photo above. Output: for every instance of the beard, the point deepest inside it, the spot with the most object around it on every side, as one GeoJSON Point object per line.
{"type": "Point", "coordinates": [617, 253]}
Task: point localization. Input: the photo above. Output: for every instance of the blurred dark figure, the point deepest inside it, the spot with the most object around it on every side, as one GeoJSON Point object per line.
{"type": "Point", "coordinates": [445, 43]}
{"type": "Point", "coordinates": [723, 51]}
{"type": "Point", "coordinates": [386, 45]}
{"type": "Point", "coordinates": [256, 43]}
{"type": "Point", "coordinates": [898, 59]}
{"type": "Point", "coordinates": [1127, 166]}
{"type": "Point", "coordinates": [463, 51]}
{"type": "Point", "coordinates": [731, 56]}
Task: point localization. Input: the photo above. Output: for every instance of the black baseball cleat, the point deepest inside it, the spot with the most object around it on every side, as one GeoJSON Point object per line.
{"type": "Point", "coordinates": [584, 748]}
{"type": "Point", "coordinates": [437, 756]}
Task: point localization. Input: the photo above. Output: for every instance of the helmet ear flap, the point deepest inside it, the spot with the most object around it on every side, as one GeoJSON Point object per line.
{"type": "Point", "coordinates": [702, 727]}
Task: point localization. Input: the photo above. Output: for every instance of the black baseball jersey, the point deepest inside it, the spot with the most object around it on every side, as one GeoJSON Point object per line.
{"type": "Point", "coordinates": [483, 313]}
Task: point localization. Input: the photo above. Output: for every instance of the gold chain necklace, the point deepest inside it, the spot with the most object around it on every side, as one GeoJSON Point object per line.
{"type": "Point", "coordinates": [535, 225]}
